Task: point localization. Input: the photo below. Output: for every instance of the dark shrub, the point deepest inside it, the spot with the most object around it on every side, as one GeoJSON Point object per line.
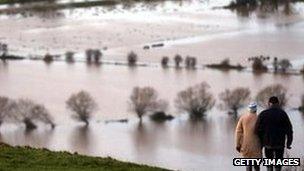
{"type": "Point", "coordinates": [132, 58]}
{"type": "Point", "coordinates": [48, 58]}
{"type": "Point", "coordinates": [165, 61]}
{"type": "Point", "coordinates": [178, 59]}
{"type": "Point", "coordinates": [160, 117]}
{"type": "Point", "coordinates": [69, 57]}
{"type": "Point", "coordinates": [258, 65]}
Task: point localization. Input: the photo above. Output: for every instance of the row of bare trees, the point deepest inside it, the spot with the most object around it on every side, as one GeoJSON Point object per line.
{"type": "Point", "coordinates": [196, 101]}
{"type": "Point", "coordinates": [258, 62]}
{"type": "Point", "coordinates": [95, 55]}
{"type": "Point", "coordinates": [279, 66]}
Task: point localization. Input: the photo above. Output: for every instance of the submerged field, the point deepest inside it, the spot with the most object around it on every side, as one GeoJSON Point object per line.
{"type": "Point", "coordinates": [191, 28]}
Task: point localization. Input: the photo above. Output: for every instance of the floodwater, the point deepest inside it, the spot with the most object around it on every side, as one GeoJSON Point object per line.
{"type": "Point", "coordinates": [178, 144]}
{"type": "Point", "coordinates": [185, 27]}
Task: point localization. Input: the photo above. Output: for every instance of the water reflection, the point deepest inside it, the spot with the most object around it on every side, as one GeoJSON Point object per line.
{"type": "Point", "coordinates": [81, 139]}
{"type": "Point", "coordinates": [18, 136]}
{"type": "Point", "coordinates": [265, 9]}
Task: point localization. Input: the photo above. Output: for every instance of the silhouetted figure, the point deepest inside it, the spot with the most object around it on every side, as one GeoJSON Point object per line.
{"type": "Point", "coordinates": [247, 142]}
{"type": "Point", "coordinates": [272, 127]}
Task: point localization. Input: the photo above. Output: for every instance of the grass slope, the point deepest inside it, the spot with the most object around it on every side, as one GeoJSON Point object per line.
{"type": "Point", "coordinates": [27, 158]}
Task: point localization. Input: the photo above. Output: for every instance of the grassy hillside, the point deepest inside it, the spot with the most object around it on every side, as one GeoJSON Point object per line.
{"type": "Point", "coordinates": [26, 158]}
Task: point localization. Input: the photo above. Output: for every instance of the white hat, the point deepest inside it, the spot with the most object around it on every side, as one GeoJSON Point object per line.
{"type": "Point", "coordinates": [252, 107]}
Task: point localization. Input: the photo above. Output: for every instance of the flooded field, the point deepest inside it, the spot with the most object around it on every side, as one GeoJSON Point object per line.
{"type": "Point", "coordinates": [195, 28]}
{"type": "Point", "coordinates": [185, 27]}
{"type": "Point", "coordinates": [177, 144]}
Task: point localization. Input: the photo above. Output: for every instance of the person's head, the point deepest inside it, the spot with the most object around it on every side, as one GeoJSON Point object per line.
{"type": "Point", "coordinates": [252, 107]}
{"type": "Point", "coordinates": [273, 101]}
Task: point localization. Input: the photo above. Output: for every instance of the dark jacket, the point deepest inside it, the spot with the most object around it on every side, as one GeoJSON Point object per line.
{"type": "Point", "coordinates": [272, 127]}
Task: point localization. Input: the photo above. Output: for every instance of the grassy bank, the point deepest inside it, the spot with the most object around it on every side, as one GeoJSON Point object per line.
{"type": "Point", "coordinates": [26, 158]}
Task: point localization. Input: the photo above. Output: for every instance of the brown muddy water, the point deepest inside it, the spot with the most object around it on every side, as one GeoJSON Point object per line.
{"type": "Point", "coordinates": [189, 28]}
{"type": "Point", "coordinates": [178, 144]}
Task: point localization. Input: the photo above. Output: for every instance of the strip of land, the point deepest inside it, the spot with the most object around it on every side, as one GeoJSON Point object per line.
{"type": "Point", "coordinates": [27, 158]}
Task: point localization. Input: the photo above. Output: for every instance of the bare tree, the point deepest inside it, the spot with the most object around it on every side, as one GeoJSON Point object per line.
{"type": "Point", "coordinates": [27, 111]}
{"type": "Point", "coordinates": [196, 100]}
{"type": "Point", "coordinates": [190, 62]}
{"type": "Point", "coordinates": [41, 113]}
{"type": "Point", "coordinates": [165, 61]}
{"type": "Point", "coordinates": [89, 55]}
{"type": "Point", "coordinates": [4, 107]}
{"type": "Point", "coordinates": [178, 59]}
{"type": "Point", "coordinates": [82, 106]}
{"type": "Point", "coordinates": [3, 49]}
{"type": "Point", "coordinates": [284, 65]}
{"type": "Point", "coordinates": [69, 56]}
{"type": "Point", "coordinates": [144, 100]}
{"type": "Point", "coordinates": [97, 56]}
{"type": "Point", "coordinates": [234, 99]}
{"type": "Point", "coordinates": [273, 90]}
{"type": "Point", "coordinates": [132, 58]}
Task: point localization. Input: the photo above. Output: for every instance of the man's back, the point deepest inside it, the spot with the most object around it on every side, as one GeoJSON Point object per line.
{"type": "Point", "coordinates": [272, 127]}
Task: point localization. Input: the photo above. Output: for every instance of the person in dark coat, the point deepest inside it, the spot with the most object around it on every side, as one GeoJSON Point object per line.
{"type": "Point", "coordinates": [273, 126]}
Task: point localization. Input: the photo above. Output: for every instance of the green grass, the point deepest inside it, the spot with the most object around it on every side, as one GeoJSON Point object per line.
{"type": "Point", "coordinates": [27, 158]}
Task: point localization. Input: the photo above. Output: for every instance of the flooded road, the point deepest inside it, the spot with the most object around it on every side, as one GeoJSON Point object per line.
{"type": "Point", "coordinates": [178, 144]}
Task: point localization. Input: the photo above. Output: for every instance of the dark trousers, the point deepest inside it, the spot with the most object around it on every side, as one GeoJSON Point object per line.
{"type": "Point", "coordinates": [277, 153]}
{"type": "Point", "coordinates": [256, 168]}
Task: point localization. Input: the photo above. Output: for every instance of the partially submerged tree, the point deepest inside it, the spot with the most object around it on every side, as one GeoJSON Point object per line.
{"type": "Point", "coordinates": [89, 55]}
{"type": "Point", "coordinates": [165, 61]}
{"type": "Point", "coordinates": [27, 111]}
{"type": "Point", "coordinates": [190, 62]}
{"type": "Point", "coordinates": [82, 106]}
{"type": "Point", "coordinates": [258, 65]}
{"type": "Point", "coordinates": [93, 55]}
{"type": "Point", "coordinates": [275, 64]}
{"type": "Point", "coordinates": [41, 113]}
{"type": "Point", "coordinates": [234, 99]}
{"type": "Point", "coordinates": [273, 90]}
{"type": "Point", "coordinates": [3, 49]}
{"type": "Point", "coordinates": [132, 58]}
{"type": "Point", "coordinates": [97, 56]}
{"type": "Point", "coordinates": [48, 58]}
{"type": "Point", "coordinates": [178, 60]}
{"type": "Point", "coordinates": [196, 100]}
{"type": "Point", "coordinates": [284, 65]}
{"type": "Point", "coordinates": [4, 108]}
{"type": "Point", "coordinates": [69, 57]}
{"type": "Point", "coordinates": [145, 100]}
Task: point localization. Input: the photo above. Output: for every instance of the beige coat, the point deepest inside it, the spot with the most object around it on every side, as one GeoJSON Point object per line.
{"type": "Point", "coordinates": [246, 138]}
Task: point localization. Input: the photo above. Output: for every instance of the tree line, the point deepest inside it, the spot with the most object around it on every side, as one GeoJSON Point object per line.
{"type": "Point", "coordinates": [195, 100]}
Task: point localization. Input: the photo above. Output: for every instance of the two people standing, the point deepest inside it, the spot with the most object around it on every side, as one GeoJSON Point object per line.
{"type": "Point", "coordinates": [269, 130]}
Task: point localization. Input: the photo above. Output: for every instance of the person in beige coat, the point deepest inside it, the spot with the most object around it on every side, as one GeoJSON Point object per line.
{"type": "Point", "coordinates": [247, 142]}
